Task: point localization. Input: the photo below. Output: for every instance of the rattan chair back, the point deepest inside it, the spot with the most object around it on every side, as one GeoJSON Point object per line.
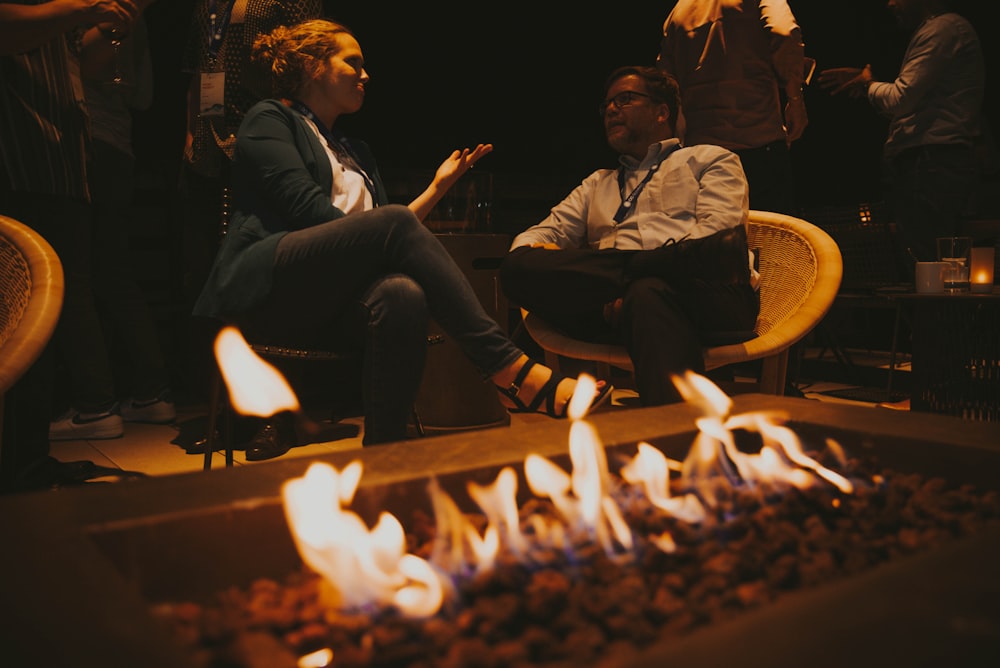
{"type": "Point", "coordinates": [31, 296]}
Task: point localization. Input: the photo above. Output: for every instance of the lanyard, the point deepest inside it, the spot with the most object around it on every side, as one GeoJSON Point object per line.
{"type": "Point", "coordinates": [218, 24]}
{"type": "Point", "coordinates": [339, 146]}
{"type": "Point", "coordinates": [628, 202]}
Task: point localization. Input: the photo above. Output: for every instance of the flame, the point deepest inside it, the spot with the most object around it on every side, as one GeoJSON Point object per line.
{"type": "Point", "coordinates": [458, 547]}
{"type": "Point", "coordinates": [650, 468]}
{"type": "Point", "coordinates": [364, 567]}
{"type": "Point", "coordinates": [318, 659]}
{"type": "Point", "coordinates": [583, 496]}
{"type": "Point", "coordinates": [784, 441]}
{"type": "Point", "coordinates": [499, 502]}
{"type": "Point", "coordinates": [583, 395]}
{"type": "Point", "coordinates": [368, 568]}
{"type": "Point", "coordinates": [704, 394]}
{"type": "Point", "coordinates": [255, 387]}
{"type": "Point", "coordinates": [781, 459]}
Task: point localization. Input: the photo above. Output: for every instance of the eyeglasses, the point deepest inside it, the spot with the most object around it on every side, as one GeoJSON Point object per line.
{"type": "Point", "coordinates": [622, 99]}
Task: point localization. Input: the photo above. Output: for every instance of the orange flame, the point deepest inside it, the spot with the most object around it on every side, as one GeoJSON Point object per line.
{"type": "Point", "coordinates": [321, 658]}
{"type": "Point", "coordinates": [583, 395]}
{"type": "Point", "coordinates": [781, 459]}
{"type": "Point", "coordinates": [590, 508]}
{"type": "Point", "coordinates": [369, 567]}
{"type": "Point", "coordinates": [364, 567]}
{"type": "Point", "coordinates": [458, 547]}
{"type": "Point", "coordinates": [499, 502]}
{"type": "Point", "coordinates": [650, 468]}
{"type": "Point", "coordinates": [255, 387]}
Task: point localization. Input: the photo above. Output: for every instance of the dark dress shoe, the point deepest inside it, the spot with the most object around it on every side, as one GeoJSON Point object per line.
{"type": "Point", "coordinates": [194, 434]}
{"type": "Point", "coordinates": [274, 439]}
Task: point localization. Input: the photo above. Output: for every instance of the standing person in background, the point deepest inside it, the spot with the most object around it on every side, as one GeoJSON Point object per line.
{"type": "Point", "coordinates": [223, 87]}
{"type": "Point", "coordinates": [740, 65]}
{"type": "Point", "coordinates": [112, 90]}
{"type": "Point", "coordinates": [932, 152]}
{"type": "Point", "coordinates": [43, 183]}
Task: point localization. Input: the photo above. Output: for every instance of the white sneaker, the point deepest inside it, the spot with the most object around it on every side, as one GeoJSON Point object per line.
{"type": "Point", "coordinates": [159, 410]}
{"type": "Point", "coordinates": [73, 426]}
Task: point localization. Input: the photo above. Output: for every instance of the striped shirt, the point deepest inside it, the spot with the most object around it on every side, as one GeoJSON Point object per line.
{"type": "Point", "coordinates": [43, 124]}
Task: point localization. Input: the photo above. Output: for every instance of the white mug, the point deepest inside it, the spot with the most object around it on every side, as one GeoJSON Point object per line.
{"type": "Point", "coordinates": [929, 277]}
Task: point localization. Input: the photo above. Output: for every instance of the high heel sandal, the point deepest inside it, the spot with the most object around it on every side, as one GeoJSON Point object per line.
{"type": "Point", "coordinates": [547, 394]}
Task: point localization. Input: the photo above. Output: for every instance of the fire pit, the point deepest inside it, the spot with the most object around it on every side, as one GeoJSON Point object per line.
{"type": "Point", "coordinates": [82, 567]}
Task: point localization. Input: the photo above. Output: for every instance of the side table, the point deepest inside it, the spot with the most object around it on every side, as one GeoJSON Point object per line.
{"type": "Point", "coordinates": [955, 354]}
{"type": "Point", "coordinates": [452, 396]}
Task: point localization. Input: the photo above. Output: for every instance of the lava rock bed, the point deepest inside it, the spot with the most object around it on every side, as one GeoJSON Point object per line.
{"type": "Point", "coordinates": [580, 607]}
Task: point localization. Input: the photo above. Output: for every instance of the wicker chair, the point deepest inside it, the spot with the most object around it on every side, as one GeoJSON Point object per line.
{"type": "Point", "coordinates": [800, 272]}
{"type": "Point", "coordinates": [31, 294]}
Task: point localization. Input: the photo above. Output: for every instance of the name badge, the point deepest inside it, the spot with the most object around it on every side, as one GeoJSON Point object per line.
{"type": "Point", "coordinates": [212, 97]}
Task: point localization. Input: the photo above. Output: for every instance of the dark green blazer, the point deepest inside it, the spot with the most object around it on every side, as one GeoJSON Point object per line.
{"type": "Point", "coordinates": [281, 181]}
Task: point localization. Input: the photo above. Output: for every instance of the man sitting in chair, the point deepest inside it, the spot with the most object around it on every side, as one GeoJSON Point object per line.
{"type": "Point", "coordinates": [652, 255]}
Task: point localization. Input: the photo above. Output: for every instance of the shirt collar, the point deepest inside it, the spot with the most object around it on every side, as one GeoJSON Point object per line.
{"type": "Point", "coordinates": [654, 154]}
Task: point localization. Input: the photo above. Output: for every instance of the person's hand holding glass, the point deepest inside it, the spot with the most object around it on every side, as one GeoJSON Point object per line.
{"type": "Point", "coordinates": [115, 22]}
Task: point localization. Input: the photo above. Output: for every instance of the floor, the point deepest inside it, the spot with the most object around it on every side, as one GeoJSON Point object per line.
{"type": "Point", "coordinates": [161, 449]}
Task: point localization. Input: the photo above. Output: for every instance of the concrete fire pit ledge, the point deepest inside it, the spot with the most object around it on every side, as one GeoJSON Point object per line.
{"type": "Point", "coordinates": [80, 566]}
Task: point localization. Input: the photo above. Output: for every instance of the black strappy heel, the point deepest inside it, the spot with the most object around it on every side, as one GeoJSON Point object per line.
{"type": "Point", "coordinates": [546, 393]}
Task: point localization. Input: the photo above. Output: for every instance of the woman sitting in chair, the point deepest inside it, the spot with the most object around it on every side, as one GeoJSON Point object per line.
{"type": "Point", "coordinates": [314, 252]}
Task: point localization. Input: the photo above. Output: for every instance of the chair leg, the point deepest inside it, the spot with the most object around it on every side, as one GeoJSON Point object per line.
{"type": "Point", "coordinates": [417, 424]}
{"type": "Point", "coordinates": [218, 407]}
{"type": "Point", "coordinates": [227, 432]}
{"type": "Point", "coordinates": [213, 418]}
{"type": "Point", "coordinates": [773, 371]}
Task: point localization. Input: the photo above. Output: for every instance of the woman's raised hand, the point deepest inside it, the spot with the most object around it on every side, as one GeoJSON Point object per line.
{"type": "Point", "coordinates": [458, 163]}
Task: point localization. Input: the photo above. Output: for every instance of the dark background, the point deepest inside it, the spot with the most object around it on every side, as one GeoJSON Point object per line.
{"type": "Point", "coordinates": [526, 76]}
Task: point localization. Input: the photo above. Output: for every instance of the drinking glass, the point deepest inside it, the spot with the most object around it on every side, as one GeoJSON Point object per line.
{"type": "Point", "coordinates": [955, 251]}
{"type": "Point", "coordinates": [466, 207]}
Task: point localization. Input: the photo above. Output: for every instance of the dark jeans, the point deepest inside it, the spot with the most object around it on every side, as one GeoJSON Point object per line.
{"type": "Point", "coordinates": [129, 327]}
{"type": "Point", "coordinates": [932, 188]}
{"type": "Point", "coordinates": [372, 279]}
{"type": "Point", "coordinates": [769, 177]}
{"type": "Point", "coordinates": [670, 310]}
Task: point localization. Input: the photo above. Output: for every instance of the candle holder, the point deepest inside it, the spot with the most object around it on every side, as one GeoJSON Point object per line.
{"type": "Point", "coordinates": [981, 270]}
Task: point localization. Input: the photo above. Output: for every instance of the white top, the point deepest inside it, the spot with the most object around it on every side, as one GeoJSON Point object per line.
{"type": "Point", "coordinates": [349, 193]}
